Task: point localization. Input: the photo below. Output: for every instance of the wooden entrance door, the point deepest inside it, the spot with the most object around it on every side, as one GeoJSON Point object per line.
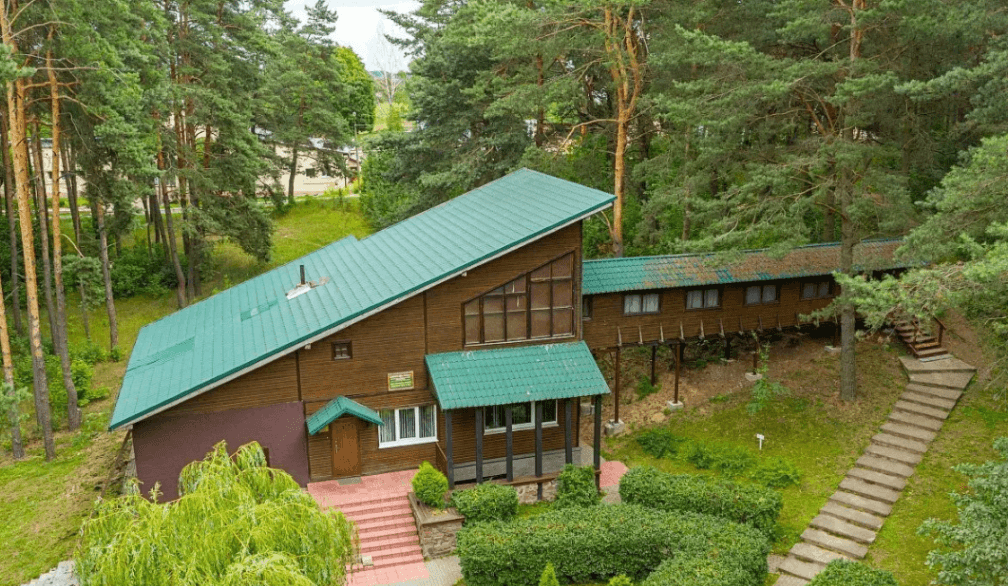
{"type": "Point", "coordinates": [346, 458]}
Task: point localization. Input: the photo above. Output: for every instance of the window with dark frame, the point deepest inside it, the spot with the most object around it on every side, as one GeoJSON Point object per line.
{"type": "Point", "coordinates": [641, 303]}
{"type": "Point", "coordinates": [761, 294]}
{"type": "Point", "coordinates": [703, 298]}
{"type": "Point", "coordinates": [342, 350]}
{"type": "Point", "coordinates": [586, 307]}
{"type": "Point", "coordinates": [817, 290]}
{"type": "Point", "coordinates": [538, 304]}
{"type": "Point", "coordinates": [522, 416]}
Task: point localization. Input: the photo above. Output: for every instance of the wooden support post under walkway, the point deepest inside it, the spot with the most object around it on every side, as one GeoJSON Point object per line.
{"type": "Point", "coordinates": [568, 436]}
{"type": "Point", "coordinates": [479, 445]}
{"type": "Point", "coordinates": [598, 442]}
{"type": "Point", "coordinates": [538, 448]}
{"type": "Point", "coordinates": [654, 355]}
{"type": "Point", "coordinates": [678, 369]}
{"type": "Point", "coordinates": [616, 387]}
{"type": "Point", "coordinates": [509, 433]}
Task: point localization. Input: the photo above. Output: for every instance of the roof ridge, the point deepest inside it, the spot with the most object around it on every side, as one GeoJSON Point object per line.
{"type": "Point", "coordinates": [743, 251]}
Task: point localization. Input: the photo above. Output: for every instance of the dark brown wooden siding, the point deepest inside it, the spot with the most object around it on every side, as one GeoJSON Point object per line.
{"type": "Point", "coordinates": [607, 314]}
{"type": "Point", "coordinates": [273, 383]}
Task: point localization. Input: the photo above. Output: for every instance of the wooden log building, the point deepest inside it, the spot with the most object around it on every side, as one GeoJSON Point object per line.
{"type": "Point", "coordinates": [462, 336]}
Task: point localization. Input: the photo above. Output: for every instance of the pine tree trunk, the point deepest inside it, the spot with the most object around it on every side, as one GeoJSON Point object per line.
{"type": "Point", "coordinates": [848, 363]}
{"type": "Point", "coordinates": [107, 277]}
{"type": "Point", "coordinates": [17, 446]}
{"type": "Point", "coordinates": [60, 333]}
{"type": "Point", "coordinates": [71, 186]}
{"type": "Point", "coordinates": [16, 98]}
{"type": "Point", "coordinates": [43, 217]}
{"type": "Point", "coordinates": [293, 172]}
{"type": "Point", "coordinates": [180, 290]}
{"type": "Point", "coordinates": [12, 225]}
{"type": "Point", "coordinates": [829, 219]}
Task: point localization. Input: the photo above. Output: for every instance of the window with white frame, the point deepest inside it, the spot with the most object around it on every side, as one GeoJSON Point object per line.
{"type": "Point", "coordinates": [640, 303]}
{"type": "Point", "coordinates": [757, 294]}
{"type": "Point", "coordinates": [407, 426]}
{"type": "Point", "coordinates": [703, 298]}
{"type": "Point", "coordinates": [522, 416]}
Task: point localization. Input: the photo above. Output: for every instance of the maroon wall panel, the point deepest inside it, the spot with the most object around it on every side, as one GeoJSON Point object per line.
{"type": "Point", "coordinates": [164, 445]}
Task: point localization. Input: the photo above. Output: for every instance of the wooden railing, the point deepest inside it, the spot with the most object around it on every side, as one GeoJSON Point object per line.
{"type": "Point", "coordinates": [440, 459]}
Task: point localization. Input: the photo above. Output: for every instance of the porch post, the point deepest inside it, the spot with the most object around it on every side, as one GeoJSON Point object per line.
{"type": "Point", "coordinates": [678, 369]}
{"type": "Point", "coordinates": [617, 387]}
{"type": "Point", "coordinates": [727, 348]}
{"type": "Point", "coordinates": [568, 436]}
{"type": "Point", "coordinates": [449, 461]}
{"type": "Point", "coordinates": [598, 441]}
{"type": "Point", "coordinates": [479, 445]}
{"type": "Point", "coordinates": [538, 446]}
{"type": "Point", "coordinates": [510, 442]}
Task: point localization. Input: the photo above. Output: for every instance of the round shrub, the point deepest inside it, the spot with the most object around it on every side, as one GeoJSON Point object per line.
{"type": "Point", "coordinates": [778, 473]}
{"type": "Point", "coordinates": [430, 486]}
{"type": "Point", "coordinates": [549, 577]}
{"type": "Point", "coordinates": [753, 505]}
{"type": "Point", "coordinates": [659, 442]}
{"type": "Point", "coordinates": [576, 487]}
{"type": "Point", "coordinates": [848, 573]}
{"type": "Point", "coordinates": [594, 544]}
{"type": "Point", "coordinates": [486, 502]}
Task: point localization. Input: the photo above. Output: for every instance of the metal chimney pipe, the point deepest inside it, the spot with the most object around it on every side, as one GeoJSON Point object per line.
{"type": "Point", "coordinates": [302, 275]}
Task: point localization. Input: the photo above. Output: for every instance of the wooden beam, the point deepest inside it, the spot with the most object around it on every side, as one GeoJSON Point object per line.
{"type": "Point", "coordinates": [721, 326]}
{"type": "Point", "coordinates": [509, 440]}
{"type": "Point", "coordinates": [702, 336]}
{"type": "Point", "coordinates": [727, 348]}
{"type": "Point", "coordinates": [479, 445]}
{"type": "Point", "coordinates": [661, 333]}
{"type": "Point", "coordinates": [449, 460]}
{"type": "Point", "coordinates": [538, 447]}
{"type": "Point", "coordinates": [619, 337]}
{"type": "Point", "coordinates": [741, 332]}
{"type": "Point", "coordinates": [779, 328]}
{"type": "Point", "coordinates": [682, 335]}
{"type": "Point", "coordinates": [568, 435]}
{"type": "Point", "coordinates": [759, 318]}
{"type": "Point", "coordinates": [640, 335]}
{"type": "Point", "coordinates": [616, 390]}
{"type": "Point", "coordinates": [654, 355]}
{"type": "Point", "coordinates": [598, 440]}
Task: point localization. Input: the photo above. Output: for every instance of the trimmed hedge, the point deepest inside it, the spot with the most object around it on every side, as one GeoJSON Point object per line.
{"type": "Point", "coordinates": [486, 502]}
{"type": "Point", "coordinates": [847, 573]}
{"type": "Point", "coordinates": [749, 504]}
{"type": "Point", "coordinates": [593, 544]}
{"type": "Point", "coordinates": [576, 487]}
{"type": "Point", "coordinates": [430, 486]}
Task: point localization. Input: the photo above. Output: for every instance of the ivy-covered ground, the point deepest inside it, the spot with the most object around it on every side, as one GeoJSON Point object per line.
{"type": "Point", "coordinates": [43, 502]}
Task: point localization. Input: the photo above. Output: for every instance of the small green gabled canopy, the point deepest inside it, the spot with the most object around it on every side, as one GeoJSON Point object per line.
{"type": "Point", "coordinates": [337, 408]}
{"type": "Point", "coordinates": [504, 376]}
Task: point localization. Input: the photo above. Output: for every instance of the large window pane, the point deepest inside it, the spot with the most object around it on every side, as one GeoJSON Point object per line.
{"type": "Point", "coordinates": [387, 431]}
{"type": "Point", "coordinates": [824, 288]}
{"type": "Point", "coordinates": [493, 327]}
{"type": "Point", "coordinates": [407, 423]}
{"type": "Point", "coordinates": [493, 304]}
{"type": "Point", "coordinates": [540, 295]}
{"type": "Point", "coordinates": [541, 274]}
{"type": "Point", "coordinates": [562, 266]}
{"type": "Point", "coordinates": [517, 327]}
{"type": "Point", "coordinates": [808, 291]}
{"type": "Point", "coordinates": [694, 299]}
{"type": "Point", "coordinates": [649, 303]}
{"type": "Point", "coordinates": [472, 329]}
{"type": "Point", "coordinates": [752, 295]}
{"type": "Point", "coordinates": [563, 296]}
{"type": "Point", "coordinates": [540, 323]}
{"type": "Point", "coordinates": [632, 304]}
{"type": "Point", "coordinates": [516, 286]}
{"type": "Point", "coordinates": [549, 411]}
{"type": "Point", "coordinates": [769, 293]}
{"type": "Point", "coordinates": [563, 321]}
{"type": "Point", "coordinates": [711, 298]}
{"type": "Point", "coordinates": [517, 302]}
{"type": "Point", "coordinates": [428, 421]}
{"type": "Point", "coordinates": [521, 413]}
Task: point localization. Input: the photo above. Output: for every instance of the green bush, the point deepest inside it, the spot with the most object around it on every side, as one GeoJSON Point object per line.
{"type": "Point", "coordinates": [645, 388]}
{"type": "Point", "coordinates": [486, 502]}
{"type": "Point", "coordinates": [549, 577]}
{"type": "Point", "coordinates": [593, 544]}
{"type": "Point", "coordinates": [621, 580]}
{"type": "Point", "coordinates": [576, 487]}
{"type": "Point", "coordinates": [81, 373]}
{"type": "Point", "coordinates": [659, 443]}
{"type": "Point", "coordinates": [89, 352]}
{"type": "Point", "coordinates": [847, 573]}
{"type": "Point", "coordinates": [728, 459]}
{"type": "Point", "coordinates": [753, 505]}
{"type": "Point", "coordinates": [778, 473]}
{"type": "Point", "coordinates": [430, 486]}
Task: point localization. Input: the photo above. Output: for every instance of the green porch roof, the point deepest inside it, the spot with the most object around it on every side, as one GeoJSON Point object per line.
{"type": "Point", "coordinates": [237, 330]}
{"type": "Point", "coordinates": [502, 376]}
{"type": "Point", "coordinates": [335, 409]}
{"type": "Point", "coordinates": [611, 275]}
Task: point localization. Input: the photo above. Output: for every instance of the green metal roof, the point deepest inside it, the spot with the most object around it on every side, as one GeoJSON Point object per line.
{"type": "Point", "coordinates": [335, 409]}
{"type": "Point", "coordinates": [502, 376]}
{"type": "Point", "coordinates": [637, 273]}
{"type": "Point", "coordinates": [215, 340]}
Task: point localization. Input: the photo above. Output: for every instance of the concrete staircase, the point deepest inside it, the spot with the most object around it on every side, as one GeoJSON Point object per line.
{"type": "Point", "coordinates": [848, 523]}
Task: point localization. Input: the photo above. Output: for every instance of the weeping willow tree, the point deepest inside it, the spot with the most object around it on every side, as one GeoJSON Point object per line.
{"type": "Point", "coordinates": [236, 522]}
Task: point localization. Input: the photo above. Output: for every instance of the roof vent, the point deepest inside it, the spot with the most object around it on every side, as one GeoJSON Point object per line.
{"type": "Point", "coordinates": [305, 286]}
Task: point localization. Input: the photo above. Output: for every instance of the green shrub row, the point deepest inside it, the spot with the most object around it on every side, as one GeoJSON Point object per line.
{"type": "Point", "coordinates": [576, 487]}
{"type": "Point", "coordinates": [749, 504]}
{"type": "Point", "coordinates": [847, 573]}
{"type": "Point", "coordinates": [486, 502]}
{"type": "Point", "coordinates": [593, 544]}
{"type": "Point", "coordinates": [659, 442]}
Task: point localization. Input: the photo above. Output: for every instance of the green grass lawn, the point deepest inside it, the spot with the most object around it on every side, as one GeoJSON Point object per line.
{"type": "Point", "coordinates": [43, 502]}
